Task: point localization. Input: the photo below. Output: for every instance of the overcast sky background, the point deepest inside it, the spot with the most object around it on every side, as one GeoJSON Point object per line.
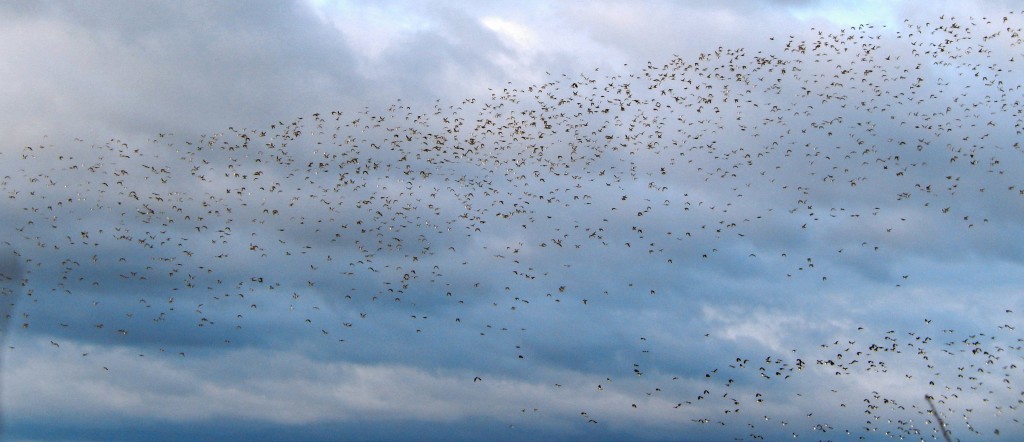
{"type": "Point", "coordinates": [496, 220]}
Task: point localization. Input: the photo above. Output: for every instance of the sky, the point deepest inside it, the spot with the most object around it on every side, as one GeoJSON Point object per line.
{"type": "Point", "coordinates": [345, 220]}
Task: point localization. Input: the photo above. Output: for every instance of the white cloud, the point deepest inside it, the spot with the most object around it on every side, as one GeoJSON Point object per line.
{"type": "Point", "coordinates": [372, 29]}
{"type": "Point", "coordinates": [775, 329]}
{"type": "Point", "coordinates": [116, 383]}
{"type": "Point", "coordinates": [520, 37]}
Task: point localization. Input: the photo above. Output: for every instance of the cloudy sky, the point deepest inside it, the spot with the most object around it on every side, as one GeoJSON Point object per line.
{"type": "Point", "coordinates": [343, 220]}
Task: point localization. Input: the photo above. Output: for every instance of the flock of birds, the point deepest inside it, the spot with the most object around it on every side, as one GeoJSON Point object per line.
{"type": "Point", "coordinates": [586, 192]}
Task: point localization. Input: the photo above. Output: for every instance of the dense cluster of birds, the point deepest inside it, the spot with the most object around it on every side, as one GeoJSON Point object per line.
{"type": "Point", "coordinates": [584, 193]}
